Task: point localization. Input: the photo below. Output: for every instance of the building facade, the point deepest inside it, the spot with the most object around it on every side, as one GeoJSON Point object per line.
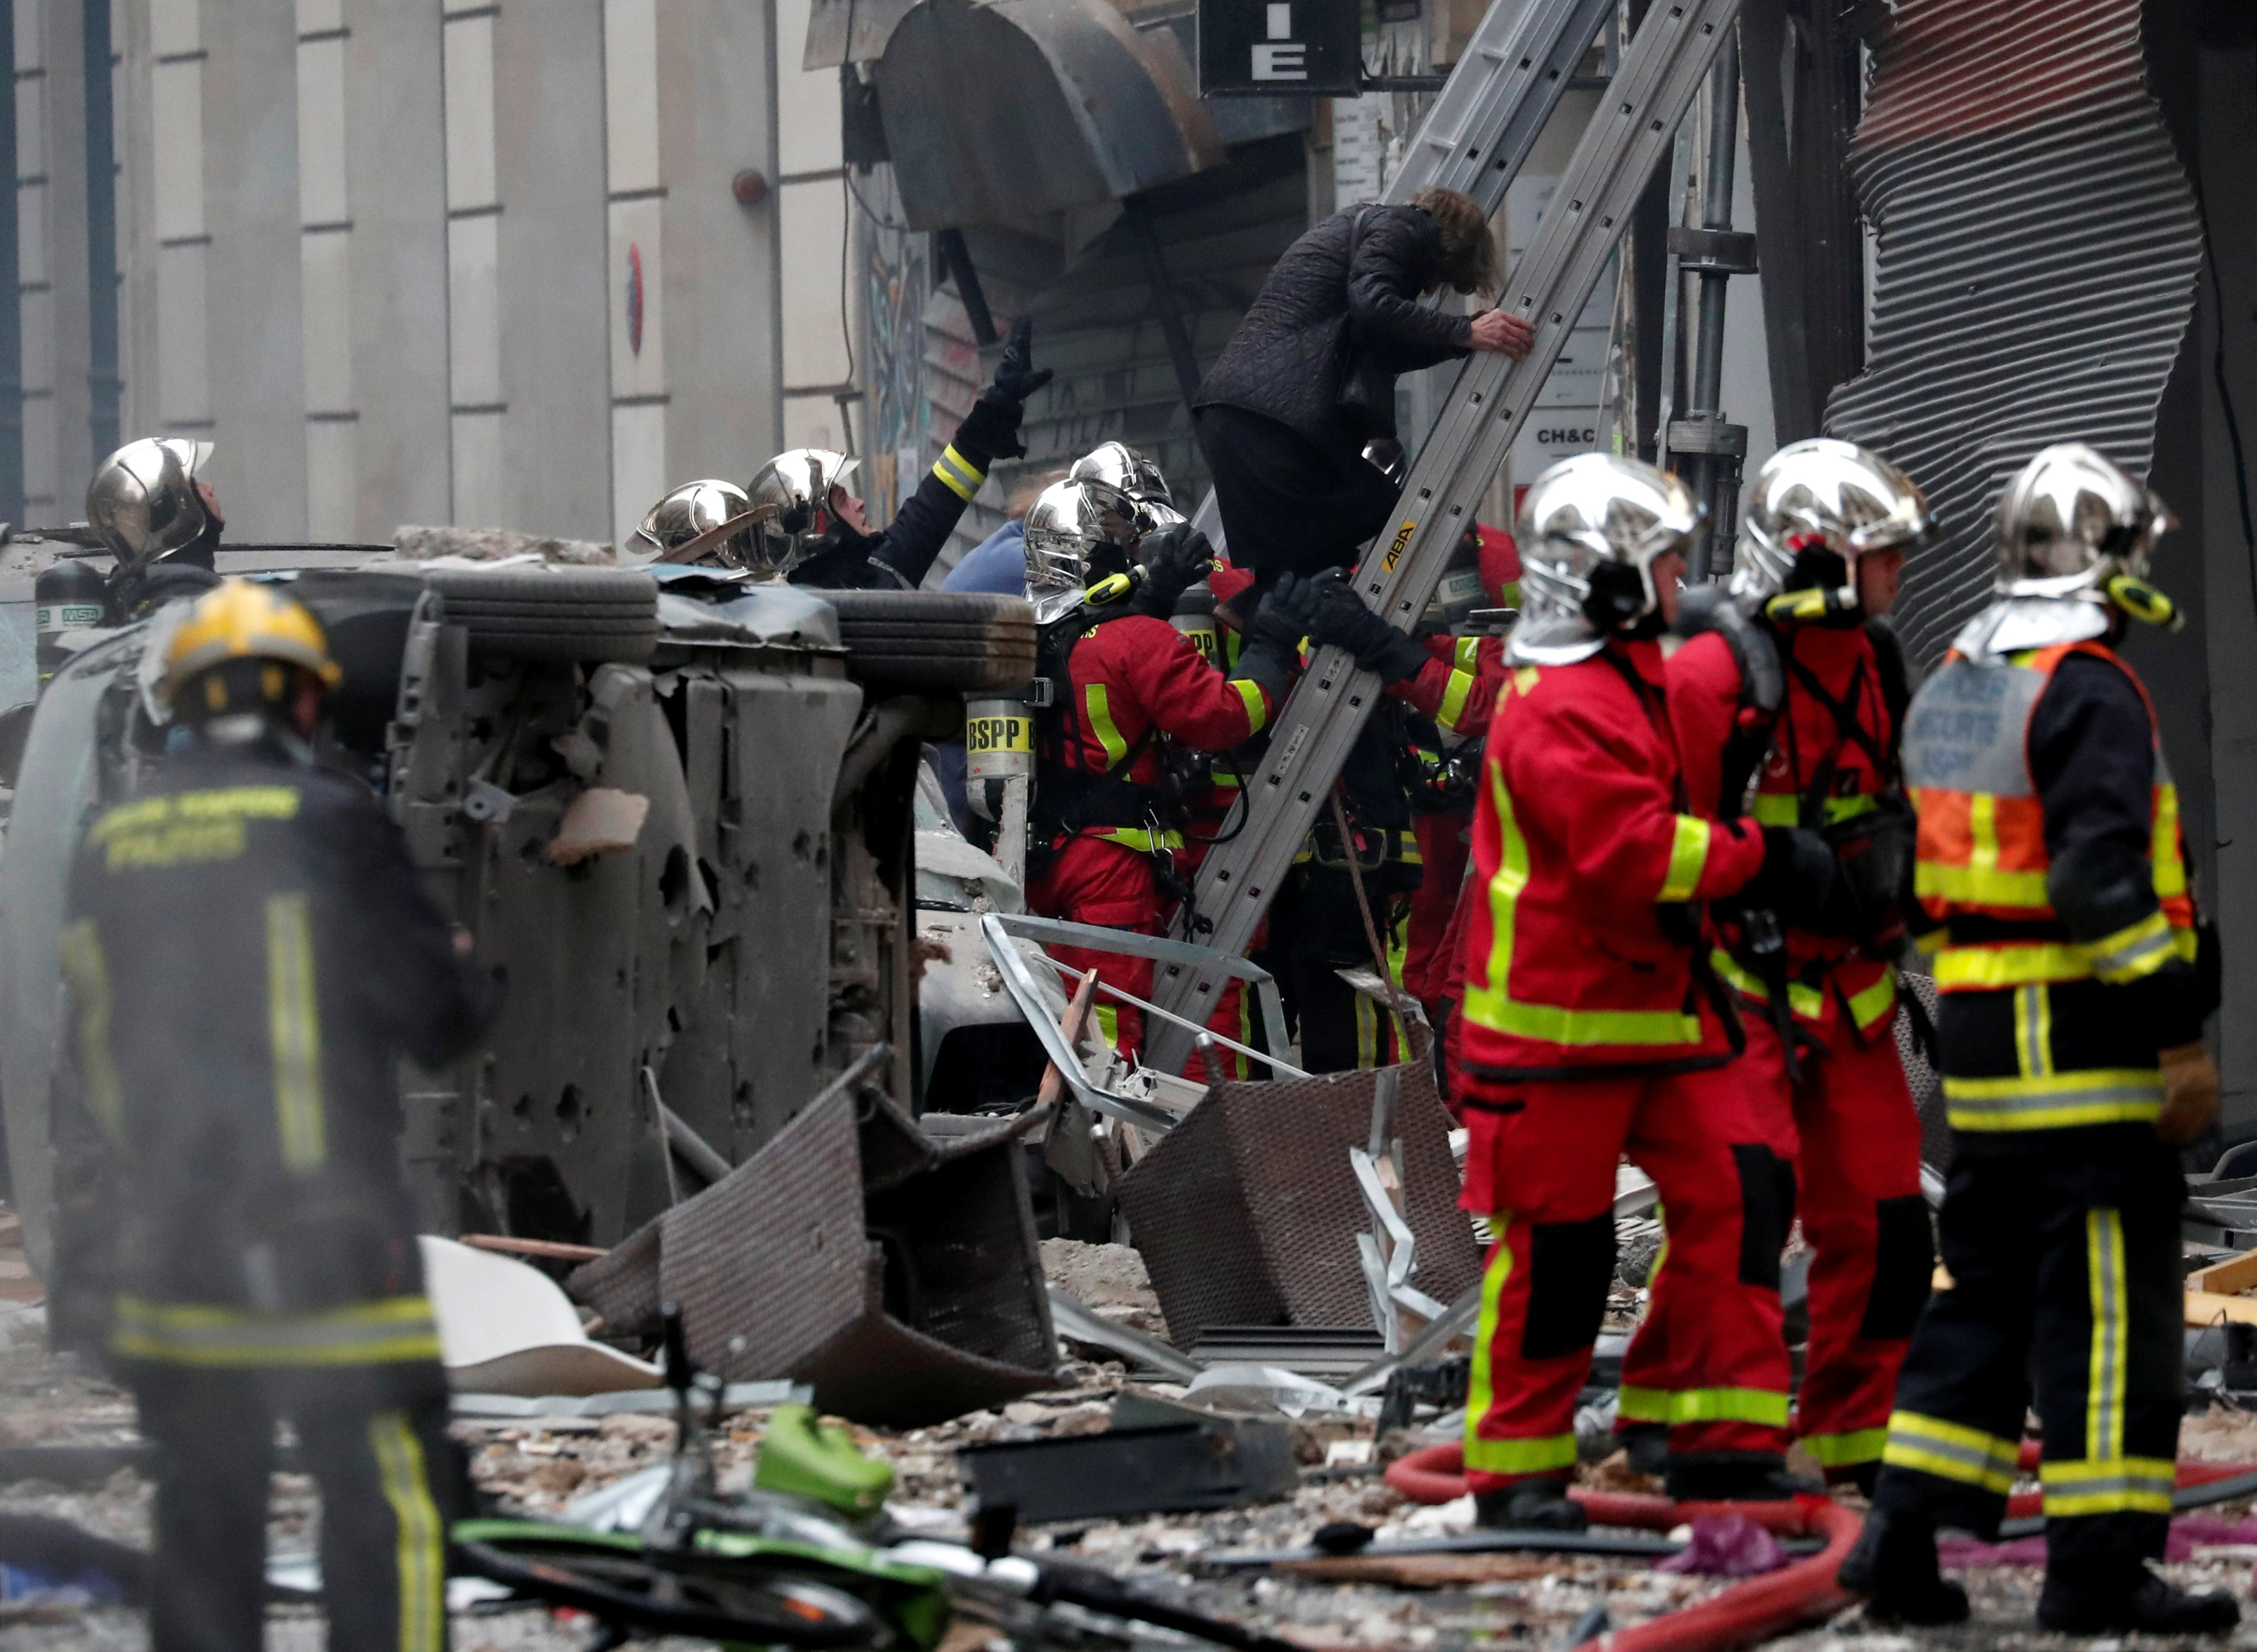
{"type": "Point", "coordinates": [402, 261]}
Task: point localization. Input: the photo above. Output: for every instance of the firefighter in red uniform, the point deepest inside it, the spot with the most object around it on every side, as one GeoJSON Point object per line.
{"type": "Point", "coordinates": [1121, 678]}
{"type": "Point", "coordinates": [1787, 686]}
{"type": "Point", "coordinates": [1457, 688]}
{"type": "Point", "coordinates": [1588, 1027]}
{"type": "Point", "coordinates": [2071, 992]}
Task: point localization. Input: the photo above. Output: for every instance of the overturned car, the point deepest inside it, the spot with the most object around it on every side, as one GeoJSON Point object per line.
{"type": "Point", "coordinates": [677, 812]}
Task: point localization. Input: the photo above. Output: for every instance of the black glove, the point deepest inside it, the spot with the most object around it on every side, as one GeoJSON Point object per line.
{"type": "Point", "coordinates": [991, 428]}
{"type": "Point", "coordinates": [1273, 636]}
{"type": "Point", "coordinates": [1800, 878]}
{"type": "Point", "coordinates": [1342, 620]}
{"type": "Point", "coordinates": [1286, 616]}
{"type": "Point", "coordinates": [1174, 560]}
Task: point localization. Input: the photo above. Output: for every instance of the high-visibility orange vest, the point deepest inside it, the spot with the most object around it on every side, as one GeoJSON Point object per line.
{"type": "Point", "coordinates": [1981, 831]}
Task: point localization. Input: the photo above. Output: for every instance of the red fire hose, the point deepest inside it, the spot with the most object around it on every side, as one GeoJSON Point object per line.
{"type": "Point", "coordinates": [1742, 1615]}
{"type": "Point", "coordinates": [1761, 1606]}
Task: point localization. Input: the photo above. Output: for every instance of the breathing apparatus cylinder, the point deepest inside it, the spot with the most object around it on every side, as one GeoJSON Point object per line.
{"type": "Point", "coordinates": [68, 597]}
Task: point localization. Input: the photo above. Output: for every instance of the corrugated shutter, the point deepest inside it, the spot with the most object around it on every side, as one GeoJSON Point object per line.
{"type": "Point", "coordinates": [2037, 251]}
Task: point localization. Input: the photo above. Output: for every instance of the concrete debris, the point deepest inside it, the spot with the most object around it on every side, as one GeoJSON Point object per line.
{"type": "Point", "coordinates": [1253, 1387]}
{"type": "Point", "coordinates": [601, 819]}
{"type": "Point", "coordinates": [1109, 1280]}
{"type": "Point", "coordinates": [559, 1467]}
{"type": "Point", "coordinates": [552, 1407]}
{"type": "Point", "coordinates": [1082, 1331]}
{"type": "Point", "coordinates": [495, 545]}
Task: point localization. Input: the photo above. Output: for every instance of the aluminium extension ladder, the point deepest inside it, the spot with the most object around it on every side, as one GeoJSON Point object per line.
{"type": "Point", "coordinates": [1478, 131]}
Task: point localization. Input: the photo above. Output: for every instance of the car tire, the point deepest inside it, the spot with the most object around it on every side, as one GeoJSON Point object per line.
{"type": "Point", "coordinates": [589, 615]}
{"type": "Point", "coordinates": [958, 640]}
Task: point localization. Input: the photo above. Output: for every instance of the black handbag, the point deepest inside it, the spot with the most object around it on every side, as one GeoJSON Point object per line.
{"type": "Point", "coordinates": [1365, 400]}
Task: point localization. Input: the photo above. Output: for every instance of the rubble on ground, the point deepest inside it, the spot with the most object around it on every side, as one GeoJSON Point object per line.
{"type": "Point", "coordinates": [540, 1465]}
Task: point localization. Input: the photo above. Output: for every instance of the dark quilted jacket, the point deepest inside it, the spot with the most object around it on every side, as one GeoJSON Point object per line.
{"type": "Point", "coordinates": [1284, 360]}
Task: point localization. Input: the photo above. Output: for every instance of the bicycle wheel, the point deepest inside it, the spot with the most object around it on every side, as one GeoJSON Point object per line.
{"type": "Point", "coordinates": [608, 1577]}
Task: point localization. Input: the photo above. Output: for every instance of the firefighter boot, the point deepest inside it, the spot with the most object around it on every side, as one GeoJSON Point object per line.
{"type": "Point", "coordinates": [1893, 1567]}
{"type": "Point", "coordinates": [1752, 1476]}
{"type": "Point", "coordinates": [2134, 1600]}
{"type": "Point", "coordinates": [1645, 1445]}
{"type": "Point", "coordinates": [1537, 1505]}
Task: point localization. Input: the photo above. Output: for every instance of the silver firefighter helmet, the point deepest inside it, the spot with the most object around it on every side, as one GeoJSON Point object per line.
{"type": "Point", "coordinates": [2074, 531]}
{"type": "Point", "coordinates": [1822, 494]}
{"type": "Point", "coordinates": [686, 526]}
{"type": "Point", "coordinates": [1126, 488]}
{"type": "Point", "coordinates": [143, 499]}
{"type": "Point", "coordinates": [1582, 518]}
{"type": "Point", "coordinates": [1121, 468]}
{"type": "Point", "coordinates": [798, 484]}
{"type": "Point", "coordinates": [1067, 528]}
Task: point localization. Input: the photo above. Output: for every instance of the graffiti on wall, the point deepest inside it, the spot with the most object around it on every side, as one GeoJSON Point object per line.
{"type": "Point", "coordinates": [896, 281]}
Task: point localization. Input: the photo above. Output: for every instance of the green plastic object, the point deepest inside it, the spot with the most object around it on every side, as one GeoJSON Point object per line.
{"type": "Point", "coordinates": [803, 1457]}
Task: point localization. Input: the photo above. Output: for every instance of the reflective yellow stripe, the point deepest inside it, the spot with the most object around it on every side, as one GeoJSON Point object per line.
{"type": "Point", "coordinates": [1480, 1393]}
{"type": "Point", "coordinates": [88, 972]}
{"type": "Point", "coordinates": [2163, 847]}
{"type": "Point", "coordinates": [2109, 1485]}
{"type": "Point", "coordinates": [294, 1027]}
{"type": "Point", "coordinates": [2055, 1101]}
{"type": "Point", "coordinates": [1728, 1405]}
{"type": "Point", "coordinates": [1877, 1000]}
{"type": "Point", "coordinates": [1257, 705]}
{"type": "Point", "coordinates": [1951, 1451]}
{"type": "Point", "coordinates": [1453, 700]}
{"type": "Point", "coordinates": [2107, 1288]}
{"type": "Point", "coordinates": [1983, 828]}
{"type": "Point", "coordinates": [1805, 1001]}
{"type": "Point", "coordinates": [2136, 950]}
{"type": "Point", "coordinates": [394, 1330]}
{"type": "Point", "coordinates": [418, 1545]}
{"type": "Point", "coordinates": [1367, 1035]}
{"type": "Point", "coordinates": [1098, 705]}
{"type": "Point", "coordinates": [1465, 654]}
{"type": "Point", "coordinates": [1702, 1405]}
{"type": "Point", "coordinates": [1108, 1023]}
{"type": "Point", "coordinates": [1643, 1405]}
{"type": "Point", "coordinates": [1541, 1455]}
{"type": "Point", "coordinates": [1134, 837]}
{"type": "Point", "coordinates": [2033, 1032]}
{"type": "Point", "coordinates": [1965, 968]}
{"type": "Point", "coordinates": [1491, 1004]}
{"type": "Point", "coordinates": [1976, 886]}
{"type": "Point", "coordinates": [1785, 808]}
{"type": "Point", "coordinates": [1688, 853]}
{"type": "Point", "coordinates": [1843, 1451]}
{"type": "Point", "coordinates": [962, 476]}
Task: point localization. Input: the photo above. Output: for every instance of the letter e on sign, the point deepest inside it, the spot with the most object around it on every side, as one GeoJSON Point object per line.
{"type": "Point", "coordinates": [1281, 62]}
{"type": "Point", "coordinates": [1264, 48]}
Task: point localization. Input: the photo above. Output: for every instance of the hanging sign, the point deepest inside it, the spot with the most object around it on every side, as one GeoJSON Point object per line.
{"type": "Point", "coordinates": [1280, 48]}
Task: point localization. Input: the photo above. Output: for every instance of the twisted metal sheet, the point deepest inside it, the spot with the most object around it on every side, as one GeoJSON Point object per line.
{"type": "Point", "coordinates": [1247, 1212]}
{"type": "Point", "coordinates": [2037, 251]}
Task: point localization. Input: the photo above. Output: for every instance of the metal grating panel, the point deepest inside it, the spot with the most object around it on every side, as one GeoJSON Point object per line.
{"type": "Point", "coordinates": [2038, 250]}
{"type": "Point", "coordinates": [1925, 1082]}
{"type": "Point", "coordinates": [1247, 1212]}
